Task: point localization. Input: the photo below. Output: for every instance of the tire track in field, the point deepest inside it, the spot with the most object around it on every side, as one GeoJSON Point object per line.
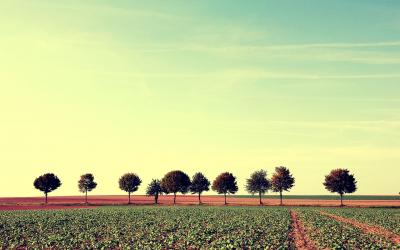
{"type": "Point", "coordinates": [299, 234]}
{"type": "Point", "coordinates": [395, 238]}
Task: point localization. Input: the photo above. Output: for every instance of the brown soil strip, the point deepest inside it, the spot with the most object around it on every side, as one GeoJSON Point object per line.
{"type": "Point", "coordinates": [395, 238]}
{"type": "Point", "coordinates": [299, 234]}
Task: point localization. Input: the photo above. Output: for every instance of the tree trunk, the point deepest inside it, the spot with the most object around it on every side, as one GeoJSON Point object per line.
{"type": "Point", "coordinates": [86, 197]}
{"type": "Point", "coordinates": [260, 198]}
{"type": "Point", "coordinates": [156, 198]}
{"type": "Point", "coordinates": [280, 195]}
{"type": "Point", "coordinates": [174, 198]}
{"type": "Point", "coordinates": [225, 198]}
{"type": "Point", "coordinates": [129, 197]}
{"type": "Point", "coordinates": [341, 200]}
{"type": "Point", "coordinates": [199, 199]}
{"type": "Point", "coordinates": [45, 200]}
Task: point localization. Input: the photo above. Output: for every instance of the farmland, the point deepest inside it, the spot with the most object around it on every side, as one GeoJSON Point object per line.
{"type": "Point", "coordinates": [196, 227]}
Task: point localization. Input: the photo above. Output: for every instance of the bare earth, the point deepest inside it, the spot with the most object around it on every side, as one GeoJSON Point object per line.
{"type": "Point", "coordinates": [299, 234]}
{"type": "Point", "coordinates": [61, 202]}
{"type": "Point", "coordinates": [366, 228]}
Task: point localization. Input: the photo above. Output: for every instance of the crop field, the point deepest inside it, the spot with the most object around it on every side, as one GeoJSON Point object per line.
{"type": "Point", "coordinates": [198, 227]}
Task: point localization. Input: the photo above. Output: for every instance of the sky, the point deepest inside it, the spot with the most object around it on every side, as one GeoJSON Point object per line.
{"type": "Point", "coordinates": [109, 87]}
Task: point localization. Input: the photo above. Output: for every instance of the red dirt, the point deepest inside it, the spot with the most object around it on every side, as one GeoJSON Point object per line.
{"type": "Point", "coordinates": [395, 238]}
{"type": "Point", "coordinates": [74, 201]}
{"type": "Point", "coordinates": [39, 207]}
{"type": "Point", "coordinates": [299, 234]}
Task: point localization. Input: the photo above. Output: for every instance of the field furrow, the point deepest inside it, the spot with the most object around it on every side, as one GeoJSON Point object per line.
{"type": "Point", "coordinates": [395, 238]}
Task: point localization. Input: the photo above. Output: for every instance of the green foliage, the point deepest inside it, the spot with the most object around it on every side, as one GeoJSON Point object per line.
{"type": "Point", "coordinates": [47, 183]}
{"type": "Point", "coordinates": [147, 228]}
{"type": "Point", "coordinates": [282, 179]}
{"type": "Point", "coordinates": [387, 218]}
{"type": "Point", "coordinates": [199, 184]}
{"type": "Point", "coordinates": [86, 183]}
{"type": "Point", "coordinates": [328, 233]}
{"type": "Point", "coordinates": [154, 189]}
{"type": "Point", "coordinates": [129, 182]}
{"type": "Point", "coordinates": [340, 181]}
{"type": "Point", "coordinates": [175, 181]}
{"type": "Point", "coordinates": [225, 183]}
{"type": "Point", "coordinates": [258, 182]}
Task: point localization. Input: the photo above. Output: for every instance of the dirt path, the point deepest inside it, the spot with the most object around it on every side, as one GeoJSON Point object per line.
{"type": "Point", "coordinates": [299, 234]}
{"type": "Point", "coordinates": [395, 238]}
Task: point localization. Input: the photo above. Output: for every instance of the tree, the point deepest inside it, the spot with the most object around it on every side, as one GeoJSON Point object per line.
{"type": "Point", "coordinates": [282, 180]}
{"type": "Point", "coordinates": [174, 182]}
{"type": "Point", "coordinates": [225, 183]}
{"type": "Point", "coordinates": [199, 184]}
{"type": "Point", "coordinates": [258, 183]}
{"type": "Point", "coordinates": [154, 188]}
{"type": "Point", "coordinates": [129, 182]}
{"type": "Point", "coordinates": [47, 183]}
{"type": "Point", "coordinates": [86, 184]}
{"type": "Point", "coordinates": [340, 181]}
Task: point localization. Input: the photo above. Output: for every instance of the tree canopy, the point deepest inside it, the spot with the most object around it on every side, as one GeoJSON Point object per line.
{"type": "Point", "coordinates": [199, 184]}
{"type": "Point", "coordinates": [282, 180]}
{"type": "Point", "coordinates": [258, 183]}
{"type": "Point", "coordinates": [340, 181]}
{"type": "Point", "coordinates": [154, 189]}
{"type": "Point", "coordinates": [129, 182]}
{"type": "Point", "coordinates": [47, 183]}
{"type": "Point", "coordinates": [174, 182]}
{"type": "Point", "coordinates": [225, 183]}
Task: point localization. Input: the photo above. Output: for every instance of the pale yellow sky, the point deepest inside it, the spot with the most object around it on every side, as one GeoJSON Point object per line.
{"type": "Point", "coordinates": [109, 88]}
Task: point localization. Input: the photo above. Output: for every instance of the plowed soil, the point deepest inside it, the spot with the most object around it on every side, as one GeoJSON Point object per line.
{"type": "Point", "coordinates": [57, 202]}
{"type": "Point", "coordinates": [366, 228]}
{"type": "Point", "coordinates": [299, 234]}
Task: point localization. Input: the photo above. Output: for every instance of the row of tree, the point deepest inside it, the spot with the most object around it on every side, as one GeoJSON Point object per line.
{"type": "Point", "coordinates": [339, 181]}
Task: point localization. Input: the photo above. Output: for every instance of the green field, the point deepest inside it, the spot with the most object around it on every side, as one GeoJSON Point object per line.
{"type": "Point", "coordinates": [196, 227]}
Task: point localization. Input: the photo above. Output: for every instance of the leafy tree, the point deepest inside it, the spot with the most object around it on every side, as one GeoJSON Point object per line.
{"type": "Point", "coordinates": [154, 189]}
{"type": "Point", "coordinates": [282, 180]}
{"type": "Point", "coordinates": [129, 182]}
{"type": "Point", "coordinates": [225, 183]}
{"type": "Point", "coordinates": [174, 182]}
{"type": "Point", "coordinates": [258, 183]}
{"type": "Point", "coordinates": [47, 183]}
{"type": "Point", "coordinates": [340, 181]}
{"type": "Point", "coordinates": [86, 184]}
{"type": "Point", "coordinates": [199, 184]}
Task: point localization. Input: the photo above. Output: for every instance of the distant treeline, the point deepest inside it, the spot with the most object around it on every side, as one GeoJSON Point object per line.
{"type": "Point", "coordinates": [337, 181]}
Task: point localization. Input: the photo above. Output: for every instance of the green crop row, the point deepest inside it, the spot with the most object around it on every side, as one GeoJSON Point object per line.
{"type": "Point", "coordinates": [148, 228]}
{"type": "Point", "coordinates": [329, 233]}
{"type": "Point", "coordinates": [386, 218]}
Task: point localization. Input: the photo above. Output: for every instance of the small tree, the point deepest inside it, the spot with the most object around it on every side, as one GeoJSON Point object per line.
{"type": "Point", "coordinates": [86, 184]}
{"type": "Point", "coordinates": [225, 183]}
{"type": "Point", "coordinates": [199, 184]}
{"type": "Point", "coordinates": [258, 183]}
{"type": "Point", "coordinates": [340, 181]}
{"type": "Point", "coordinates": [282, 180]}
{"type": "Point", "coordinates": [154, 189]}
{"type": "Point", "coordinates": [47, 183]}
{"type": "Point", "coordinates": [174, 182]}
{"type": "Point", "coordinates": [129, 182]}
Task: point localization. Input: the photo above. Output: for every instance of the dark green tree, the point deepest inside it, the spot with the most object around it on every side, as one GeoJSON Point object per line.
{"type": "Point", "coordinates": [129, 182]}
{"type": "Point", "coordinates": [225, 183]}
{"type": "Point", "coordinates": [86, 184]}
{"type": "Point", "coordinates": [174, 182]}
{"type": "Point", "coordinates": [47, 183]}
{"type": "Point", "coordinates": [199, 184]}
{"type": "Point", "coordinates": [282, 180]}
{"type": "Point", "coordinates": [340, 181]}
{"type": "Point", "coordinates": [258, 183]}
{"type": "Point", "coordinates": [154, 189]}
